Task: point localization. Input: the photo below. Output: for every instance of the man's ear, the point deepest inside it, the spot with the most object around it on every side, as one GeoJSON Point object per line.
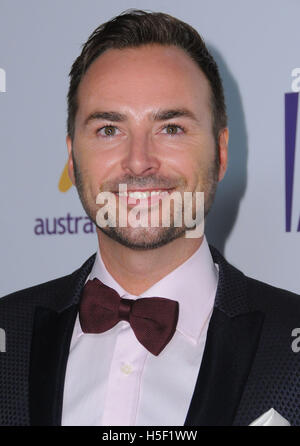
{"type": "Point", "coordinates": [70, 159]}
{"type": "Point", "coordinates": [223, 152]}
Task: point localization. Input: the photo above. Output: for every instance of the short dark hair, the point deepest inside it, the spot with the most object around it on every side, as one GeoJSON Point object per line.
{"type": "Point", "coordinates": [134, 28]}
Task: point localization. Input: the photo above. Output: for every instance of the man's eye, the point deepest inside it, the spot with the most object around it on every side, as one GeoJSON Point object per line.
{"type": "Point", "coordinates": [108, 130]}
{"type": "Point", "coordinates": [173, 129]}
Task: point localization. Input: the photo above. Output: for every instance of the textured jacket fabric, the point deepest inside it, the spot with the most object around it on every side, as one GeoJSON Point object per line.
{"type": "Point", "coordinates": [247, 368]}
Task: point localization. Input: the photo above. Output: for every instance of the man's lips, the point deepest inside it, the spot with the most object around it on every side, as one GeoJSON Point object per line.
{"type": "Point", "coordinates": [143, 196]}
{"type": "Point", "coordinates": [143, 193]}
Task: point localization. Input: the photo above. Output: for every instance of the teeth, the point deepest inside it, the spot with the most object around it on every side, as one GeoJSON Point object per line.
{"type": "Point", "coordinates": [142, 194]}
{"type": "Point", "coordinates": [159, 192]}
{"type": "Point", "coordinates": [139, 194]}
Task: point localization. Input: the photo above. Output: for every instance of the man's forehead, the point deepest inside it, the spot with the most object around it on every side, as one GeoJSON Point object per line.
{"type": "Point", "coordinates": [142, 64]}
{"type": "Point", "coordinates": [146, 53]}
{"type": "Point", "coordinates": [153, 77]}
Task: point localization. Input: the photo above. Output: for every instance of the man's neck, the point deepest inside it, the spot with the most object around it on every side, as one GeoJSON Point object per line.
{"type": "Point", "coordinates": [138, 270]}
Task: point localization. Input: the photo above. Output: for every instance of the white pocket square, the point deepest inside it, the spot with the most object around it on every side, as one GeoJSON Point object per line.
{"type": "Point", "coordinates": [270, 418]}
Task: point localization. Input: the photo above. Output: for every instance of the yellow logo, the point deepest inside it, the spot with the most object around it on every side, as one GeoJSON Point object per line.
{"type": "Point", "coordinates": [64, 182]}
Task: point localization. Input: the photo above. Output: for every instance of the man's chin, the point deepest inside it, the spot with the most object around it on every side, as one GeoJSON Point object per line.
{"type": "Point", "coordinates": [143, 238]}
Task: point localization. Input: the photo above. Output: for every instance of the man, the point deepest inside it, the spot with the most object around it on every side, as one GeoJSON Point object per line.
{"type": "Point", "coordinates": [156, 328]}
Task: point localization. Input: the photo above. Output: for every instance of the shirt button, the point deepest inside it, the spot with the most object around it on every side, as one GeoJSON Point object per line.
{"type": "Point", "coordinates": [126, 369]}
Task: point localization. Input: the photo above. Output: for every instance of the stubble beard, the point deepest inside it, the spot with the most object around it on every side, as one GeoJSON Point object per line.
{"type": "Point", "coordinates": [142, 238]}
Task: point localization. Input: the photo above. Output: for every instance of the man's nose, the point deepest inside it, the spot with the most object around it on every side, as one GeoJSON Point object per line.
{"type": "Point", "coordinates": [141, 157]}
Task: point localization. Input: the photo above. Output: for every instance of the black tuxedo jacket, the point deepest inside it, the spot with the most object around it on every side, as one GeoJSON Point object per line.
{"type": "Point", "coordinates": [248, 364]}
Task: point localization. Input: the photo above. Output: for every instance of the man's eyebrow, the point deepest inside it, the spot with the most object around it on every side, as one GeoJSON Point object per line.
{"type": "Point", "coordinates": [159, 115]}
{"type": "Point", "coordinates": [105, 116]}
{"type": "Point", "coordinates": [163, 115]}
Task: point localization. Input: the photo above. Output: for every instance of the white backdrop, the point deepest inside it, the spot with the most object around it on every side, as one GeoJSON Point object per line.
{"type": "Point", "coordinates": [256, 45]}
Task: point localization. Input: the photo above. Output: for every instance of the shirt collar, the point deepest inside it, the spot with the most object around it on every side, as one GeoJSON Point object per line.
{"type": "Point", "coordinates": [193, 285]}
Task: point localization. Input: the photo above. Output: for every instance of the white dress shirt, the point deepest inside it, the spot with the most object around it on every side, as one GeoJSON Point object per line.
{"type": "Point", "coordinates": [112, 380]}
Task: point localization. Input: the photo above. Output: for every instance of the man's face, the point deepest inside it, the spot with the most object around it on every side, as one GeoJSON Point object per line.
{"type": "Point", "coordinates": [144, 119]}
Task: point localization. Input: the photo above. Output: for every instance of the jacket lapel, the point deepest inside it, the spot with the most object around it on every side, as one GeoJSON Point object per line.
{"type": "Point", "coordinates": [229, 351]}
{"type": "Point", "coordinates": [52, 332]}
{"type": "Point", "coordinates": [232, 340]}
{"type": "Point", "coordinates": [51, 339]}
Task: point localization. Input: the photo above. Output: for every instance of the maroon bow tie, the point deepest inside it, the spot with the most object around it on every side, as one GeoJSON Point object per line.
{"type": "Point", "coordinates": [153, 319]}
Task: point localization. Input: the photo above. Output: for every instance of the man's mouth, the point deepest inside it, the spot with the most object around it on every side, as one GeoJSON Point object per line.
{"type": "Point", "coordinates": [141, 194]}
{"type": "Point", "coordinates": [143, 197]}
